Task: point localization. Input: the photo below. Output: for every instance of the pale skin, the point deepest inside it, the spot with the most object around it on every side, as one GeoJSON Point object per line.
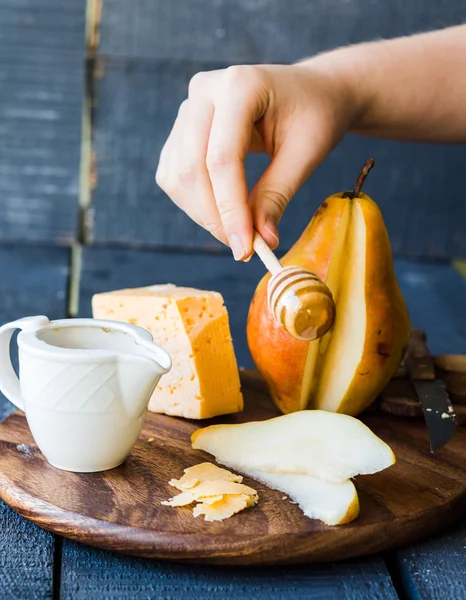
{"type": "Point", "coordinates": [410, 88]}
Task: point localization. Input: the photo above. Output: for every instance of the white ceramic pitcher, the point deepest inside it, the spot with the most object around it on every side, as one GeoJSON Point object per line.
{"type": "Point", "coordinates": [84, 386]}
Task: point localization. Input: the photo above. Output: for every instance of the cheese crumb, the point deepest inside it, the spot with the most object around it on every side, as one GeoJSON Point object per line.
{"type": "Point", "coordinates": [216, 493]}
{"type": "Point", "coordinates": [201, 473]}
{"type": "Point", "coordinates": [208, 489]}
{"type": "Point", "coordinates": [225, 508]}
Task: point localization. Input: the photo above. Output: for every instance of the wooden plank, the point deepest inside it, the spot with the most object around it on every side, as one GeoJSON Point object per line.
{"type": "Point", "coordinates": [27, 555]}
{"type": "Point", "coordinates": [127, 207]}
{"type": "Point", "coordinates": [435, 569]}
{"type": "Point", "coordinates": [33, 281]}
{"type": "Point", "coordinates": [42, 82]}
{"type": "Point", "coordinates": [263, 31]}
{"type": "Point", "coordinates": [434, 293]}
{"type": "Point", "coordinates": [416, 185]}
{"type": "Point", "coordinates": [90, 573]}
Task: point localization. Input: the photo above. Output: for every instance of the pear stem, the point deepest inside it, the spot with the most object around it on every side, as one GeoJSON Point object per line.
{"type": "Point", "coordinates": [362, 177]}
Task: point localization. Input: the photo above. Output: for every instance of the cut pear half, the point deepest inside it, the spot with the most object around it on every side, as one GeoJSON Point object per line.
{"type": "Point", "coordinates": [332, 503]}
{"type": "Point", "coordinates": [331, 446]}
{"type": "Point", "coordinates": [333, 360]}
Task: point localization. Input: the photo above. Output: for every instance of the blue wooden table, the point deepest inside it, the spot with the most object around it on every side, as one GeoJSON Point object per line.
{"type": "Point", "coordinates": [88, 92]}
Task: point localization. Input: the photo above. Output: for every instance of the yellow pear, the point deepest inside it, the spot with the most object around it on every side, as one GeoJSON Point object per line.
{"type": "Point", "coordinates": [347, 246]}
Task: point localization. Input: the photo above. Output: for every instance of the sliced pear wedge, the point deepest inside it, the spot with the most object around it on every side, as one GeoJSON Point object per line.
{"type": "Point", "coordinates": [332, 503]}
{"type": "Point", "coordinates": [331, 446]}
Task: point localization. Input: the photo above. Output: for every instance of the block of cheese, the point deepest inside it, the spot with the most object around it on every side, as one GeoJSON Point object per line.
{"type": "Point", "coordinates": [192, 326]}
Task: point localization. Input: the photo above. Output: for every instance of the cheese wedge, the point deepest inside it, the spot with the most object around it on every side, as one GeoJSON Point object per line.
{"type": "Point", "coordinates": [192, 325]}
{"type": "Point", "coordinates": [202, 473]}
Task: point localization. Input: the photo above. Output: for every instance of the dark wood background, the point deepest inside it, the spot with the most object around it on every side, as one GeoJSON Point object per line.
{"type": "Point", "coordinates": [141, 56]}
{"type": "Point", "coordinates": [83, 115]}
{"type": "Point", "coordinates": [147, 53]}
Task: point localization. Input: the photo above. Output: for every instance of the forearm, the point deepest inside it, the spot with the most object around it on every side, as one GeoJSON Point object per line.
{"type": "Point", "coordinates": [411, 88]}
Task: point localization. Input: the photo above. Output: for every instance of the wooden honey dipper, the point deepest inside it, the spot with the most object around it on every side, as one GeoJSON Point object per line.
{"type": "Point", "coordinates": [298, 299]}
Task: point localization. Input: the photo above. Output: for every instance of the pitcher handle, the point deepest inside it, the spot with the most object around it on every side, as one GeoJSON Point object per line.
{"type": "Point", "coordinates": [9, 382]}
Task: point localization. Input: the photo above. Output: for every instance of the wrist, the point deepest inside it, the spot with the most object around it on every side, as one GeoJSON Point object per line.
{"type": "Point", "coordinates": [345, 69]}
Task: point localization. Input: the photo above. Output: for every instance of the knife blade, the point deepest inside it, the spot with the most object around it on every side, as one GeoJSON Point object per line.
{"type": "Point", "coordinates": [432, 394]}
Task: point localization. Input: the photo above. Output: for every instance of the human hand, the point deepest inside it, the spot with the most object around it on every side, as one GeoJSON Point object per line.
{"type": "Point", "coordinates": [296, 114]}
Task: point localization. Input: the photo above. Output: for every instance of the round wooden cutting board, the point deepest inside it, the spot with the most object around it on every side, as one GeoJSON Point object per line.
{"type": "Point", "coordinates": [120, 509]}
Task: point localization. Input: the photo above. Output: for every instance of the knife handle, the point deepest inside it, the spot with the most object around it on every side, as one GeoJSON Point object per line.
{"type": "Point", "coordinates": [419, 362]}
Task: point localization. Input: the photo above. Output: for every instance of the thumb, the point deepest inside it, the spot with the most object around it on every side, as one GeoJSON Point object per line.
{"type": "Point", "coordinates": [289, 169]}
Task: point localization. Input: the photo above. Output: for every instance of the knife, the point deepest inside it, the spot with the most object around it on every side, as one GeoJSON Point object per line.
{"type": "Point", "coordinates": [432, 394]}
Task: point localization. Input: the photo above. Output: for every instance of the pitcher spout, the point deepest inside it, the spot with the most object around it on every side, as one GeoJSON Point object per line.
{"type": "Point", "coordinates": [140, 372]}
{"type": "Point", "coordinates": [138, 378]}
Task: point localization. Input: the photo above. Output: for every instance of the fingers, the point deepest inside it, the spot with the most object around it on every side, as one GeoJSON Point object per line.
{"type": "Point", "coordinates": [289, 169]}
{"type": "Point", "coordinates": [297, 116]}
{"type": "Point", "coordinates": [236, 109]}
{"type": "Point", "coordinates": [182, 172]}
{"type": "Point", "coordinates": [192, 152]}
{"type": "Point", "coordinates": [166, 175]}
{"type": "Point", "coordinates": [202, 164]}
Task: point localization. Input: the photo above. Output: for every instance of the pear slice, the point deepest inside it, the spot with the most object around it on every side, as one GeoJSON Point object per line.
{"type": "Point", "coordinates": [331, 446]}
{"type": "Point", "coordinates": [332, 503]}
{"type": "Point", "coordinates": [341, 351]}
